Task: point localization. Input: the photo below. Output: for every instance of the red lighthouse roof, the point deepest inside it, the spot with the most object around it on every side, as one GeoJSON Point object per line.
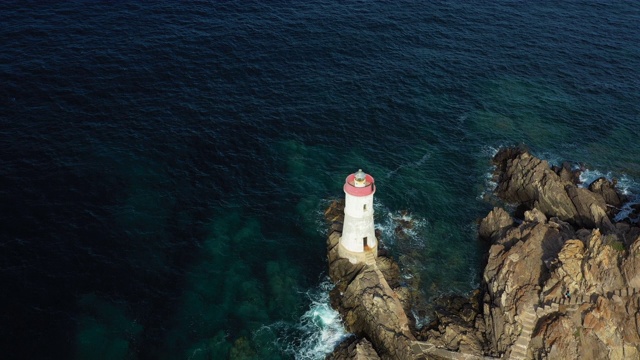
{"type": "Point", "coordinates": [359, 184]}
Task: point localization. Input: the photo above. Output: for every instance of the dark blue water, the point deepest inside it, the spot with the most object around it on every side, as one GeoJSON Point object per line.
{"type": "Point", "coordinates": [165, 166]}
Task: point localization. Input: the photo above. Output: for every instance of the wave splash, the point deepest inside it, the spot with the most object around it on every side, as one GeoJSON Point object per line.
{"type": "Point", "coordinates": [318, 331]}
{"type": "Point", "coordinates": [321, 325]}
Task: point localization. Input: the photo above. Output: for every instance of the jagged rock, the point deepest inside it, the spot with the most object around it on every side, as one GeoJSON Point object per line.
{"type": "Point", "coordinates": [570, 270]}
{"type": "Point", "coordinates": [601, 265]}
{"type": "Point", "coordinates": [354, 349]}
{"type": "Point", "coordinates": [494, 224]}
{"type": "Point", "coordinates": [608, 192]}
{"type": "Point", "coordinates": [454, 327]}
{"type": "Point", "coordinates": [559, 341]}
{"type": "Point", "coordinates": [515, 271]}
{"type": "Point", "coordinates": [631, 265]}
{"type": "Point", "coordinates": [390, 270]}
{"type": "Point", "coordinates": [531, 266]}
{"type": "Point", "coordinates": [620, 341]}
{"type": "Point", "coordinates": [370, 309]}
{"type": "Point", "coordinates": [535, 216]}
{"type": "Point", "coordinates": [525, 179]}
{"type": "Point", "coordinates": [566, 174]}
{"type": "Point", "coordinates": [591, 209]}
{"type": "Point", "coordinates": [512, 277]}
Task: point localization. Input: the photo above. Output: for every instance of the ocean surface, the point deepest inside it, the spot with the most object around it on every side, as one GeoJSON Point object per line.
{"type": "Point", "coordinates": [165, 166]}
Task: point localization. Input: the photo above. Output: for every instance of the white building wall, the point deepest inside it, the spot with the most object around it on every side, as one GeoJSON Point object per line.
{"type": "Point", "coordinates": [358, 223]}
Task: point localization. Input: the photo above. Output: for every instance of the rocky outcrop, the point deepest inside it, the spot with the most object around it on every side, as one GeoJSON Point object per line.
{"type": "Point", "coordinates": [457, 325]}
{"type": "Point", "coordinates": [493, 226]}
{"type": "Point", "coordinates": [631, 266]}
{"type": "Point", "coordinates": [607, 190]}
{"type": "Point", "coordinates": [368, 304]}
{"type": "Point", "coordinates": [562, 280]}
{"type": "Point", "coordinates": [527, 180]}
{"type": "Point", "coordinates": [355, 349]}
{"type": "Point", "coordinates": [562, 283]}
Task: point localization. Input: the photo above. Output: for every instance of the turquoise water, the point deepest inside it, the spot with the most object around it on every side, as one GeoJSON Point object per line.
{"type": "Point", "coordinates": [165, 166]}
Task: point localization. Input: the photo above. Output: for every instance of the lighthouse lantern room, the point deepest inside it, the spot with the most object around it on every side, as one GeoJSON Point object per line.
{"type": "Point", "coordinates": [358, 233]}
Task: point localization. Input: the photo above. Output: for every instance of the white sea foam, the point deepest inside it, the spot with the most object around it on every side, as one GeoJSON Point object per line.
{"type": "Point", "coordinates": [624, 184]}
{"type": "Point", "coordinates": [401, 227]}
{"type": "Point", "coordinates": [318, 331]}
{"type": "Point", "coordinates": [490, 151]}
{"type": "Point", "coordinates": [488, 180]}
{"type": "Point", "coordinates": [587, 176]}
{"type": "Point", "coordinates": [629, 187]}
{"type": "Point", "coordinates": [489, 184]}
{"type": "Point", "coordinates": [627, 210]}
{"type": "Point", "coordinates": [321, 326]}
{"type": "Point", "coordinates": [421, 321]}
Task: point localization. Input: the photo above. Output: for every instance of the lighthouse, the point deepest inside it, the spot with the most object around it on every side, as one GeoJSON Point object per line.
{"type": "Point", "coordinates": [358, 233]}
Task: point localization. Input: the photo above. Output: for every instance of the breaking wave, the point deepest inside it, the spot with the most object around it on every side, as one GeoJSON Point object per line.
{"type": "Point", "coordinates": [624, 184]}
{"type": "Point", "coordinates": [318, 331]}
{"type": "Point", "coordinates": [321, 326]}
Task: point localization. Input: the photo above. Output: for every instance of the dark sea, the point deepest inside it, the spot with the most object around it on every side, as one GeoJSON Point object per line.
{"type": "Point", "coordinates": [165, 166]}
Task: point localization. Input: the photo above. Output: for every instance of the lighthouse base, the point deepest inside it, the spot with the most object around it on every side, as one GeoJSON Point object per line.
{"type": "Point", "coordinates": [355, 257]}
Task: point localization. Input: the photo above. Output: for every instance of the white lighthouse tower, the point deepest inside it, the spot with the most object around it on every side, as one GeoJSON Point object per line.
{"type": "Point", "coordinates": [358, 233]}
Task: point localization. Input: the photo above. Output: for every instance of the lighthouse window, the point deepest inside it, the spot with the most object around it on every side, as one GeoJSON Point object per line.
{"type": "Point", "coordinates": [364, 207]}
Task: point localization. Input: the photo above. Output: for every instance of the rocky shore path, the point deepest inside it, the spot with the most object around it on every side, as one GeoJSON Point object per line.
{"type": "Point", "coordinates": [425, 351]}
{"type": "Point", "coordinates": [421, 350]}
{"type": "Point", "coordinates": [529, 319]}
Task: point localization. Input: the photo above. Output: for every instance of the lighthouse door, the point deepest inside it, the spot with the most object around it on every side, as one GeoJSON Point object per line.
{"type": "Point", "coordinates": [364, 243]}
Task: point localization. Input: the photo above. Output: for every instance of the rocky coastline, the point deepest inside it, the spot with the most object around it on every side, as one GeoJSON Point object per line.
{"type": "Point", "coordinates": [561, 281]}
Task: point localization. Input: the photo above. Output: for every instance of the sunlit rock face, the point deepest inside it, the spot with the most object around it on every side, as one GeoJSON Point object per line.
{"type": "Point", "coordinates": [564, 251]}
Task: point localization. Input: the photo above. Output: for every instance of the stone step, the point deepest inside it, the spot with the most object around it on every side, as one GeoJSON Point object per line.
{"type": "Point", "coordinates": [519, 348]}
{"type": "Point", "coordinates": [518, 353]}
{"type": "Point", "coordinates": [522, 342]}
{"type": "Point", "coordinates": [528, 316]}
{"type": "Point", "coordinates": [551, 307]}
{"type": "Point", "coordinates": [523, 339]}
